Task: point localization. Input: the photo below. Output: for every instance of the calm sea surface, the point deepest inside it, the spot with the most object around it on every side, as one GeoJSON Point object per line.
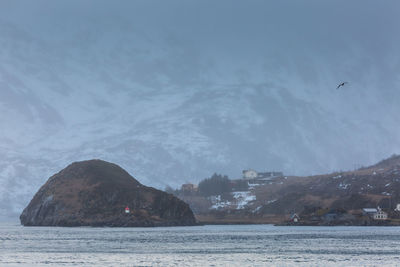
{"type": "Point", "coordinates": [235, 245]}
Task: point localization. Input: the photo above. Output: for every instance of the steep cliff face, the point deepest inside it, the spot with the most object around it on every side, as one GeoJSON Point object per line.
{"type": "Point", "coordinates": [96, 193]}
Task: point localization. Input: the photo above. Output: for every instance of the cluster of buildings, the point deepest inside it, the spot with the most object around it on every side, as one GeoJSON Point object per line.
{"type": "Point", "coordinates": [376, 214]}
{"type": "Point", "coordinates": [254, 176]}
{"type": "Point", "coordinates": [249, 175]}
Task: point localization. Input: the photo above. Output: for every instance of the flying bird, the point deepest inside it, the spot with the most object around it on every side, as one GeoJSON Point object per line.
{"type": "Point", "coordinates": [342, 84]}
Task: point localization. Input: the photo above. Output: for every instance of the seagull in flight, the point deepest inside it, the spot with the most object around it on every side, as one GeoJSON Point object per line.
{"type": "Point", "coordinates": [342, 84]}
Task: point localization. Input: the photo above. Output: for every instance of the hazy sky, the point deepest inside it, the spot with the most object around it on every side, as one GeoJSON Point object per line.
{"type": "Point", "coordinates": [235, 34]}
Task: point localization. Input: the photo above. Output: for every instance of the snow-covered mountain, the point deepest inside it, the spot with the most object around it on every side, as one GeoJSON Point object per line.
{"type": "Point", "coordinates": [174, 96]}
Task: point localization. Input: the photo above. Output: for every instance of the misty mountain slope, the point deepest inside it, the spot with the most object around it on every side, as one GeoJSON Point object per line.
{"type": "Point", "coordinates": [172, 103]}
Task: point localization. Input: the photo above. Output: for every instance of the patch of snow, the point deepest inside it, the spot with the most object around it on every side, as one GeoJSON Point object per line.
{"type": "Point", "coordinates": [257, 209]}
{"type": "Point", "coordinates": [243, 198]}
{"type": "Point", "coordinates": [271, 201]}
{"type": "Point", "coordinates": [251, 186]}
{"type": "Point", "coordinates": [386, 185]}
{"type": "Point", "coordinates": [343, 185]}
{"type": "Point", "coordinates": [240, 200]}
{"type": "Point", "coordinates": [220, 205]}
{"type": "Point", "coordinates": [337, 177]}
{"type": "Point", "coordinates": [214, 199]}
{"type": "Point", "coordinates": [217, 203]}
{"type": "Point", "coordinates": [386, 194]}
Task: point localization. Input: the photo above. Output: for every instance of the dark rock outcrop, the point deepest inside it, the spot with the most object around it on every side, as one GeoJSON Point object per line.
{"type": "Point", "coordinates": [95, 193]}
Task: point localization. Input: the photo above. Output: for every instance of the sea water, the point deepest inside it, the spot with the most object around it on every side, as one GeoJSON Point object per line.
{"type": "Point", "coordinates": [223, 245]}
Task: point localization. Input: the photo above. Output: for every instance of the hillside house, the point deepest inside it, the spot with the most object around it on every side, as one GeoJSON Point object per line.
{"type": "Point", "coordinates": [189, 188]}
{"type": "Point", "coordinates": [249, 174]}
{"type": "Point", "coordinates": [260, 177]}
{"type": "Point", "coordinates": [269, 175]}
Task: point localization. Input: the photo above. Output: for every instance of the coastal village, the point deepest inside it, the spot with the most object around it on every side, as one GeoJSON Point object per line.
{"type": "Point", "coordinates": [367, 196]}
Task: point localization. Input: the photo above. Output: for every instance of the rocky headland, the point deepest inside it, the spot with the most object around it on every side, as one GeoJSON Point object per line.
{"type": "Point", "coordinates": [99, 193]}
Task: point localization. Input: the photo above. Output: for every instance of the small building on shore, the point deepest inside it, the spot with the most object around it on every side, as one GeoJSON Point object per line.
{"type": "Point", "coordinates": [331, 216]}
{"type": "Point", "coordinates": [369, 211]}
{"type": "Point", "coordinates": [380, 215]}
{"type": "Point", "coordinates": [375, 213]}
{"type": "Point", "coordinates": [294, 218]}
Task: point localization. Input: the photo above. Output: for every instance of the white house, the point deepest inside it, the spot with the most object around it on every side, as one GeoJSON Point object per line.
{"type": "Point", "coordinates": [376, 214]}
{"type": "Point", "coordinates": [249, 174]}
{"type": "Point", "coordinates": [397, 207]}
{"type": "Point", "coordinates": [380, 215]}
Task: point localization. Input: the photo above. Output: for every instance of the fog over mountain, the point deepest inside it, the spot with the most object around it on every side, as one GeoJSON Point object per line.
{"type": "Point", "coordinates": [173, 91]}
